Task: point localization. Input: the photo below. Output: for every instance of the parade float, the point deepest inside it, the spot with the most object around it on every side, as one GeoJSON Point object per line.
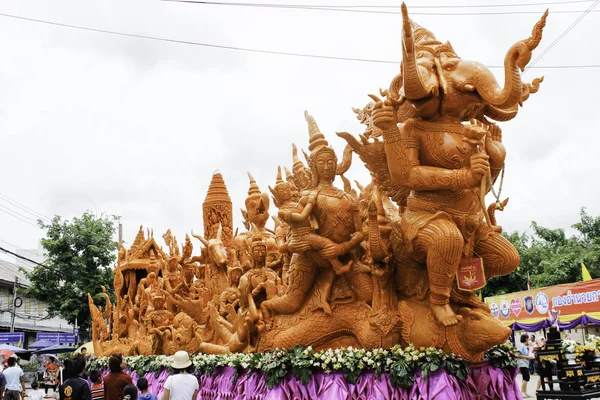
{"type": "Point", "coordinates": [366, 292]}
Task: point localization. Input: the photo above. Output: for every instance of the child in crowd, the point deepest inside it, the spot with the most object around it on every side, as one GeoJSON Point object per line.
{"type": "Point", "coordinates": [36, 393]}
{"type": "Point", "coordinates": [142, 384]}
{"type": "Point", "coordinates": [130, 392]}
{"type": "Point", "coordinates": [97, 388]}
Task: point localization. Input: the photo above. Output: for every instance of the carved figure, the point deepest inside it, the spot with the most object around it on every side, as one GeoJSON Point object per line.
{"type": "Point", "coordinates": [443, 165]}
{"type": "Point", "coordinates": [256, 216]}
{"type": "Point", "coordinates": [216, 270]}
{"type": "Point", "coordinates": [230, 298]}
{"type": "Point", "coordinates": [337, 217]}
{"type": "Point", "coordinates": [258, 284]}
{"type": "Point", "coordinates": [296, 215]}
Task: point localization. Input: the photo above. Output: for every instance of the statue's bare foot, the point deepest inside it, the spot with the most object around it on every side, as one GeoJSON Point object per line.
{"type": "Point", "coordinates": [266, 312]}
{"type": "Point", "coordinates": [345, 268]}
{"type": "Point", "coordinates": [444, 314]}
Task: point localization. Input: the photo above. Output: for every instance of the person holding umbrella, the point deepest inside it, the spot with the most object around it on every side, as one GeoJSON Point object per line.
{"type": "Point", "coordinates": [51, 370]}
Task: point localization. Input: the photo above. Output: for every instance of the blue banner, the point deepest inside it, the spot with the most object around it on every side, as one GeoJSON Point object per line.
{"type": "Point", "coordinates": [12, 337]}
{"type": "Point", "coordinates": [57, 337]}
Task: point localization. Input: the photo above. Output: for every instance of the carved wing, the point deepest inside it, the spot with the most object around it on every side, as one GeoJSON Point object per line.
{"type": "Point", "coordinates": [372, 152]}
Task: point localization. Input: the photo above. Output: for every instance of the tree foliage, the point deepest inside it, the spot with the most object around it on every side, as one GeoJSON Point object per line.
{"type": "Point", "coordinates": [550, 257]}
{"type": "Point", "coordinates": [79, 254]}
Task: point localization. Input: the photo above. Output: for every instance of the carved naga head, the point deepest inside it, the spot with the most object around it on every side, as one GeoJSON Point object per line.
{"type": "Point", "coordinates": [435, 82]}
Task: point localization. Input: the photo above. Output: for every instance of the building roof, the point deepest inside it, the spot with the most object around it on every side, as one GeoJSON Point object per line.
{"type": "Point", "coordinates": [9, 270]}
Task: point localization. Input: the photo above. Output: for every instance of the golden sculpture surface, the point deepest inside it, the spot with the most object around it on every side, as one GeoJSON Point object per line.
{"type": "Point", "coordinates": [396, 262]}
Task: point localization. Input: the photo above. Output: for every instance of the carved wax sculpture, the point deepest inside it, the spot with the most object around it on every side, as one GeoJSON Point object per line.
{"type": "Point", "coordinates": [296, 215]}
{"type": "Point", "coordinates": [217, 210]}
{"type": "Point", "coordinates": [256, 216]}
{"type": "Point", "coordinates": [372, 268]}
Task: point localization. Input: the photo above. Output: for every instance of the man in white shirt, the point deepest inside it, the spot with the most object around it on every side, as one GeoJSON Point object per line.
{"type": "Point", "coordinates": [15, 384]}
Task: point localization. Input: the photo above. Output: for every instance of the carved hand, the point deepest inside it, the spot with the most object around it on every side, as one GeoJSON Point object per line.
{"type": "Point", "coordinates": [258, 288]}
{"type": "Point", "coordinates": [479, 168]}
{"type": "Point", "coordinates": [330, 251]}
{"type": "Point", "coordinates": [494, 146]}
{"type": "Point", "coordinates": [384, 113]}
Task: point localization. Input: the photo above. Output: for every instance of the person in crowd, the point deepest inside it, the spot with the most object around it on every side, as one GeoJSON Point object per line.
{"type": "Point", "coordinates": [51, 378]}
{"type": "Point", "coordinates": [87, 355]}
{"type": "Point", "coordinates": [36, 393]}
{"type": "Point", "coordinates": [15, 383]}
{"type": "Point", "coordinates": [117, 379]}
{"type": "Point", "coordinates": [182, 385]}
{"type": "Point", "coordinates": [130, 392]}
{"type": "Point", "coordinates": [523, 364]}
{"type": "Point", "coordinates": [2, 385]}
{"type": "Point", "coordinates": [531, 345]}
{"type": "Point", "coordinates": [75, 387]}
{"type": "Point", "coordinates": [142, 384]}
{"type": "Point", "coordinates": [97, 385]}
{"type": "Point", "coordinates": [542, 343]}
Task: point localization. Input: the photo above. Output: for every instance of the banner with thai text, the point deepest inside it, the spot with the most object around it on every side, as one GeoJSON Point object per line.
{"type": "Point", "coordinates": [569, 298]}
{"type": "Point", "coordinates": [12, 337]}
{"type": "Point", "coordinates": [57, 337]}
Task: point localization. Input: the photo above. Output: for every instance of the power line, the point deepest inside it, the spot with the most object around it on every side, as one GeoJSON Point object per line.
{"type": "Point", "coordinates": [25, 258]}
{"type": "Point", "coordinates": [283, 53]}
{"type": "Point", "coordinates": [7, 211]}
{"type": "Point", "coordinates": [17, 213]}
{"type": "Point", "coordinates": [24, 207]}
{"type": "Point", "coordinates": [555, 42]}
{"type": "Point", "coordinates": [397, 6]}
{"type": "Point", "coordinates": [350, 10]}
{"type": "Point", "coordinates": [18, 247]}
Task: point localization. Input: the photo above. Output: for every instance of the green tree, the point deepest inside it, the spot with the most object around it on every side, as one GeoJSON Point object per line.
{"type": "Point", "coordinates": [552, 258]}
{"type": "Point", "coordinates": [79, 254]}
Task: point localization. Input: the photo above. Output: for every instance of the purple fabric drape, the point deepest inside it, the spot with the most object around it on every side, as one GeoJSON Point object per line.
{"type": "Point", "coordinates": [583, 320]}
{"type": "Point", "coordinates": [484, 382]}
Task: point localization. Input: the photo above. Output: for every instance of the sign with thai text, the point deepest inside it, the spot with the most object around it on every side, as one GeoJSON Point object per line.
{"type": "Point", "coordinates": [57, 337]}
{"type": "Point", "coordinates": [470, 275]}
{"type": "Point", "coordinates": [12, 337]}
{"type": "Point", "coordinates": [570, 298]}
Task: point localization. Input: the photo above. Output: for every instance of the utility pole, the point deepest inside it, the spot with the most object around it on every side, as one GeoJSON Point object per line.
{"type": "Point", "coordinates": [120, 232]}
{"type": "Point", "coordinates": [14, 312]}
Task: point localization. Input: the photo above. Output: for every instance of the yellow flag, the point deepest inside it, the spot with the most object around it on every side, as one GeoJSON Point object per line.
{"type": "Point", "coordinates": [585, 274]}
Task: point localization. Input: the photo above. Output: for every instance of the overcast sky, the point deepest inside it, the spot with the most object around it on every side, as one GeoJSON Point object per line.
{"type": "Point", "coordinates": [136, 127]}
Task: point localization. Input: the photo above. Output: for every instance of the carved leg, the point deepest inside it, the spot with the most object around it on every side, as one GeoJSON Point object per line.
{"type": "Point", "coordinates": [361, 281]}
{"type": "Point", "coordinates": [301, 278]}
{"type": "Point", "coordinates": [442, 243]}
{"type": "Point", "coordinates": [499, 255]}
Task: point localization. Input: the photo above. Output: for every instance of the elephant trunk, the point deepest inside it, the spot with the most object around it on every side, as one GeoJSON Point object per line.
{"type": "Point", "coordinates": [414, 85]}
{"type": "Point", "coordinates": [501, 114]}
{"type": "Point", "coordinates": [517, 58]}
{"type": "Point", "coordinates": [489, 90]}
